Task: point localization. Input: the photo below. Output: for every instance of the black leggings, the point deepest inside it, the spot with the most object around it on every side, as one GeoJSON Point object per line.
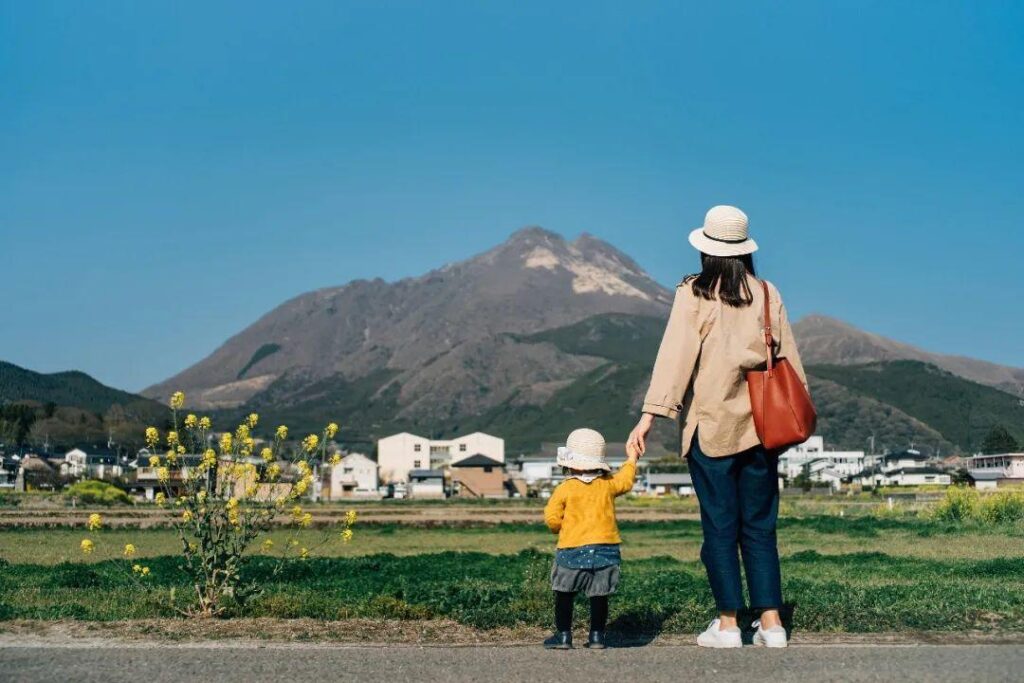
{"type": "Point", "coordinates": [563, 611]}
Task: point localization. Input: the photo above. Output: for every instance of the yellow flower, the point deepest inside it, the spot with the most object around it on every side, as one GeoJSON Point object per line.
{"type": "Point", "coordinates": [95, 521]}
{"type": "Point", "coordinates": [163, 475]}
{"type": "Point", "coordinates": [303, 467]}
{"type": "Point", "coordinates": [191, 421]}
{"type": "Point", "coordinates": [129, 550]}
{"type": "Point", "coordinates": [145, 571]}
{"type": "Point", "coordinates": [282, 433]}
{"type": "Point", "coordinates": [300, 487]}
{"type": "Point", "coordinates": [209, 458]}
{"type": "Point", "coordinates": [154, 461]}
{"type": "Point", "coordinates": [336, 459]}
{"type": "Point", "coordinates": [201, 497]}
{"type": "Point", "coordinates": [292, 542]}
{"type": "Point", "coordinates": [177, 400]}
{"type": "Point", "coordinates": [346, 535]}
{"type": "Point", "coordinates": [268, 545]}
{"type": "Point", "coordinates": [232, 503]}
{"type": "Point", "coordinates": [251, 490]}
{"type": "Point", "coordinates": [192, 546]}
{"type": "Point", "coordinates": [311, 442]}
{"type": "Point", "coordinates": [152, 436]}
{"type": "Point", "coordinates": [350, 517]}
{"type": "Point", "coordinates": [306, 520]}
{"type": "Point", "coordinates": [204, 423]}
{"type": "Point", "coordinates": [331, 430]}
{"type": "Point", "coordinates": [296, 512]}
{"type": "Point", "coordinates": [225, 443]}
{"type": "Point", "coordinates": [87, 546]}
{"type": "Point", "coordinates": [172, 438]}
{"type": "Point", "coordinates": [304, 553]}
{"type": "Point", "coordinates": [186, 516]}
{"type": "Point", "coordinates": [252, 420]}
{"type": "Point", "coordinates": [160, 498]}
{"type": "Point", "coordinates": [233, 517]}
{"type": "Point", "coordinates": [137, 568]}
{"type": "Point", "coordinates": [267, 454]}
{"type": "Point", "coordinates": [280, 502]}
{"type": "Point", "coordinates": [273, 471]}
{"type": "Point", "coordinates": [172, 456]}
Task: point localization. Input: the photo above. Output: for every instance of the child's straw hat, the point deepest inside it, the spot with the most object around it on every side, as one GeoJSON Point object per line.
{"type": "Point", "coordinates": [583, 450]}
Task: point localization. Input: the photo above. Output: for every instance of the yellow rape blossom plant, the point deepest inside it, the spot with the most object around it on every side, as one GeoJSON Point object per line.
{"type": "Point", "coordinates": [225, 491]}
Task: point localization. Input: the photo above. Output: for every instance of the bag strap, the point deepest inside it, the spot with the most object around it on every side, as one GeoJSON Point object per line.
{"type": "Point", "coordinates": [768, 328]}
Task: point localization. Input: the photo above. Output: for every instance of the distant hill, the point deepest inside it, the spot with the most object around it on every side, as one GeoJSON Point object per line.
{"type": "Point", "coordinates": [70, 408]}
{"type": "Point", "coordinates": [827, 341]}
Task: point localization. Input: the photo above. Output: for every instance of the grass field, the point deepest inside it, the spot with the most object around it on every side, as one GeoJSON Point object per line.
{"type": "Point", "coordinates": [854, 574]}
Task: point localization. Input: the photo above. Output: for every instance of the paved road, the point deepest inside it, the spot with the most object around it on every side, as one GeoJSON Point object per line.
{"type": "Point", "coordinates": [406, 664]}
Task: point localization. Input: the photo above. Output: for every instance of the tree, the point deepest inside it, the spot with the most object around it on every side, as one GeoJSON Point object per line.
{"type": "Point", "coordinates": [999, 440]}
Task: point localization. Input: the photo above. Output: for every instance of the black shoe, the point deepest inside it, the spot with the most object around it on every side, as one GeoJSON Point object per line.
{"type": "Point", "coordinates": [596, 640]}
{"type": "Point", "coordinates": [561, 640]}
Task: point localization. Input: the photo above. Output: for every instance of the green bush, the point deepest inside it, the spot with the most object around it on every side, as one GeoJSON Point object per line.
{"type": "Point", "coordinates": [959, 505]}
{"type": "Point", "coordinates": [1001, 508]}
{"type": "Point", "coordinates": [93, 492]}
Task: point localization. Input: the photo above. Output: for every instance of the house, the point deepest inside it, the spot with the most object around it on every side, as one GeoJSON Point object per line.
{"type": "Point", "coordinates": [398, 454]}
{"type": "Point", "coordinates": [909, 458]}
{"type": "Point", "coordinates": [355, 476]}
{"type": "Point", "coordinates": [478, 476]}
{"type": "Point", "coordinates": [917, 476]}
{"type": "Point", "coordinates": [796, 459]}
{"type": "Point", "coordinates": [97, 463]}
{"type": "Point", "coordinates": [34, 472]}
{"type": "Point", "coordinates": [147, 484]}
{"type": "Point", "coordinates": [668, 483]}
{"type": "Point", "coordinates": [8, 472]}
{"type": "Point", "coordinates": [997, 471]}
{"type": "Point", "coordinates": [426, 484]}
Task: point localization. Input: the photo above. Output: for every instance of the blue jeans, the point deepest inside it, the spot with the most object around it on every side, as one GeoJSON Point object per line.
{"type": "Point", "coordinates": [739, 504]}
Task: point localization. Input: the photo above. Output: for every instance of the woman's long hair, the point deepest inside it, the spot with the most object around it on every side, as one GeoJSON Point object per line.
{"type": "Point", "coordinates": [724, 277]}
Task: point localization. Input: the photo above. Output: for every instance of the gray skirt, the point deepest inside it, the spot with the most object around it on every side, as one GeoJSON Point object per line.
{"type": "Point", "coordinates": [592, 582]}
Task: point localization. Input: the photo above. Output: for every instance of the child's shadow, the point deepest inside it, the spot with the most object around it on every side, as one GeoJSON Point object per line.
{"type": "Point", "coordinates": [637, 628]}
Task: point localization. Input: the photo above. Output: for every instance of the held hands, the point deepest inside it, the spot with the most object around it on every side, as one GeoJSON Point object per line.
{"type": "Point", "coordinates": [636, 444]}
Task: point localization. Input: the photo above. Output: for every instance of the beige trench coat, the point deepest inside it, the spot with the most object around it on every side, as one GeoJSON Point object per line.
{"type": "Point", "coordinates": [699, 372]}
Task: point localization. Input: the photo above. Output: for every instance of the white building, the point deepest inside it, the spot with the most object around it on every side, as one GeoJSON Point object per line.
{"type": "Point", "coordinates": [824, 466]}
{"type": "Point", "coordinates": [399, 454]}
{"type": "Point", "coordinates": [354, 476]}
{"type": "Point", "coordinates": [97, 464]}
{"type": "Point", "coordinates": [426, 484]}
{"type": "Point", "coordinates": [992, 471]}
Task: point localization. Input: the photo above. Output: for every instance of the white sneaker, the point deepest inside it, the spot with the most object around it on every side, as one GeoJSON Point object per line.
{"type": "Point", "coordinates": [717, 637]}
{"type": "Point", "coordinates": [770, 637]}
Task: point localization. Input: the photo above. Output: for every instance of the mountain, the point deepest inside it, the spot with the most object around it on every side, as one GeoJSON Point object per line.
{"type": "Point", "coordinates": [445, 343]}
{"type": "Point", "coordinates": [827, 341]}
{"type": "Point", "coordinates": [540, 335]}
{"type": "Point", "coordinates": [70, 408]}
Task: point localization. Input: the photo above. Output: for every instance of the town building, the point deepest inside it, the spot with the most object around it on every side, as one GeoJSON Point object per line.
{"type": "Point", "coordinates": [354, 477]}
{"type": "Point", "coordinates": [903, 468]}
{"type": "Point", "coordinates": [96, 463]}
{"type": "Point", "coordinates": [399, 454]}
{"type": "Point", "coordinates": [997, 471]}
{"type": "Point", "coordinates": [426, 484]}
{"type": "Point", "coordinates": [821, 465]}
{"type": "Point", "coordinates": [668, 483]}
{"type": "Point", "coordinates": [479, 476]}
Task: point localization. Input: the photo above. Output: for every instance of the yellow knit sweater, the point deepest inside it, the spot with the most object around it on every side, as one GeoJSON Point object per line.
{"type": "Point", "coordinates": [582, 514]}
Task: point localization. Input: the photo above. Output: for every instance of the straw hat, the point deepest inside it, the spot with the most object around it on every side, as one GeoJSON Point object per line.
{"type": "Point", "coordinates": [583, 450]}
{"type": "Point", "coordinates": [724, 233]}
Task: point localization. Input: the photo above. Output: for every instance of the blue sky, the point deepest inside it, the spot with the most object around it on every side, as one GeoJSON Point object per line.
{"type": "Point", "coordinates": [169, 171]}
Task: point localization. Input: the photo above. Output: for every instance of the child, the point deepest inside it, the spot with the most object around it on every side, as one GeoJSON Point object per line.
{"type": "Point", "coordinates": [582, 512]}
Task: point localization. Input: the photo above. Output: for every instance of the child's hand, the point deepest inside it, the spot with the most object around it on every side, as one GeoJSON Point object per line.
{"type": "Point", "coordinates": [632, 452]}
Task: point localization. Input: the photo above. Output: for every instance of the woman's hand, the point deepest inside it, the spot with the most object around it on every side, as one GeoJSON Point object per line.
{"type": "Point", "coordinates": [638, 437]}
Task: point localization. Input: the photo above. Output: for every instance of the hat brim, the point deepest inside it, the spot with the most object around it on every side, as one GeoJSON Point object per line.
{"type": "Point", "coordinates": [577, 461]}
{"type": "Point", "coordinates": [703, 243]}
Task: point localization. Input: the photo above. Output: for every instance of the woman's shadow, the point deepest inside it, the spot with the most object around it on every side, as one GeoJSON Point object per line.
{"type": "Point", "coordinates": [639, 627]}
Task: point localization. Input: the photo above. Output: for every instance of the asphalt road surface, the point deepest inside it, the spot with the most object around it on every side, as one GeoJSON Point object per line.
{"type": "Point", "coordinates": [406, 664]}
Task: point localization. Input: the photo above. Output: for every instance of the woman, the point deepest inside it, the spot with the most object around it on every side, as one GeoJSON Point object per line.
{"type": "Point", "coordinates": [715, 333]}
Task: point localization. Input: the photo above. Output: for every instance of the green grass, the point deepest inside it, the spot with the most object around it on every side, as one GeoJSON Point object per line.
{"type": "Point", "coordinates": [857, 574]}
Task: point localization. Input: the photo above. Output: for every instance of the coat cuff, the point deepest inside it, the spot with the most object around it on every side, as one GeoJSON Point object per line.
{"type": "Point", "coordinates": [661, 411]}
